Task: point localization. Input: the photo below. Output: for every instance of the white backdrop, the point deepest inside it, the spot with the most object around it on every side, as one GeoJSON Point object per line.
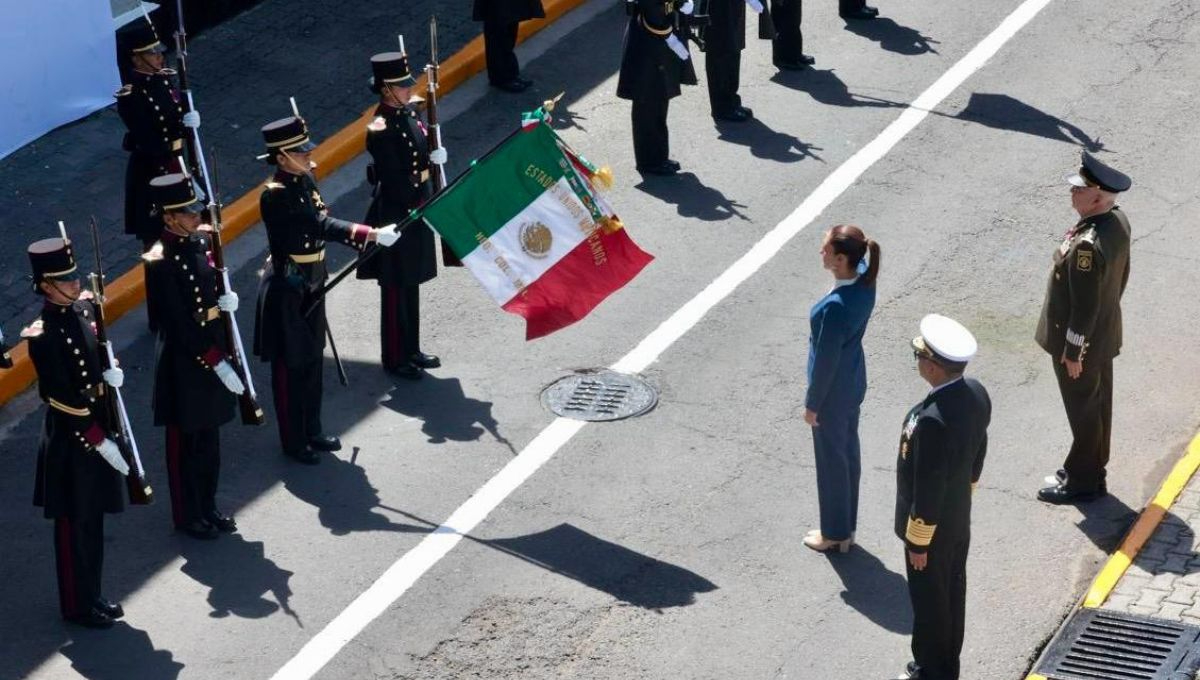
{"type": "Point", "coordinates": [57, 64]}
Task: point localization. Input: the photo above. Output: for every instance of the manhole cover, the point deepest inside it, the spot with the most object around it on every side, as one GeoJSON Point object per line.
{"type": "Point", "coordinates": [1096, 644]}
{"type": "Point", "coordinates": [603, 395]}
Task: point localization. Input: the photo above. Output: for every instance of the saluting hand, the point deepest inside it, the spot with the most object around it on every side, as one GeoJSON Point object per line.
{"type": "Point", "coordinates": [1074, 368]}
{"type": "Point", "coordinates": [918, 560]}
{"type": "Point", "coordinates": [810, 417]}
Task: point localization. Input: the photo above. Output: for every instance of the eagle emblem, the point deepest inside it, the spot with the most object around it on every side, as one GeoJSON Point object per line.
{"type": "Point", "coordinates": [536, 239]}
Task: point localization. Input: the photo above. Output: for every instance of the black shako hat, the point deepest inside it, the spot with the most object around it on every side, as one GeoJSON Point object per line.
{"type": "Point", "coordinates": [176, 193]}
{"type": "Point", "coordinates": [52, 259]}
{"type": "Point", "coordinates": [1093, 173]}
{"type": "Point", "coordinates": [286, 134]}
{"type": "Point", "coordinates": [391, 68]}
{"type": "Point", "coordinates": [139, 37]}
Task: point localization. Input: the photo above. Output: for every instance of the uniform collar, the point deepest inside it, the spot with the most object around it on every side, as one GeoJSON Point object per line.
{"type": "Point", "coordinates": [839, 283]}
{"type": "Point", "coordinates": [943, 386]}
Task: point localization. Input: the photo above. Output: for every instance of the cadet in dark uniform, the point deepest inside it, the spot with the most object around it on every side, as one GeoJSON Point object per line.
{"type": "Point", "coordinates": [402, 162]}
{"type": "Point", "coordinates": [194, 381]}
{"type": "Point", "coordinates": [152, 111]}
{"type": "Point", "coordinates": [79, 467]}
{"type": "Point", "coordinates": [724, 40]}
{"type": "Point", "coordinates": [298, 225]}
{"type": "Point", "coordinates": [1080, 326]}
{"type": "Point", "coordinates": [500, 20]}
{"type": "Point", "coordinates": [787, 47]}
{"type": "Point", "coordinates": [942, 447]}
{"type": "Point", "coordinates": [651, 67]}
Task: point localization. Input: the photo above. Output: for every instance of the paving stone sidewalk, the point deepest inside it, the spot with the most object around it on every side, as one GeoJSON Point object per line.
{"type": "Point", "coordinates": [242, 73]}
{"type": "Point", "coordinates": [1164, 579]}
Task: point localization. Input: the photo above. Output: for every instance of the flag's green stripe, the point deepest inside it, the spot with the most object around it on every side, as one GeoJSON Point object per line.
{"type": "Point", "coordinates": [496, 189]}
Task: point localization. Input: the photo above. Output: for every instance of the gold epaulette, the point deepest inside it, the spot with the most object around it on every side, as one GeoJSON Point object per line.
{"type": "Point", "coordinates": [377, 125]}
{"type": "Point", "coordinates": [33, 330]}
{"type": "Point", "coordinates": [918, 532]}
{"type": "Point", "coordinates": [154, 254]}
{"type": "Point", "coordinates": [125, 89]}
{"type": "Point", "coordinates": [273, 185]}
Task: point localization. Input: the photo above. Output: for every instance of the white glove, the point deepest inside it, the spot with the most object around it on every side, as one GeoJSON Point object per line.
{"type": "Point", "coordinates": [225, 372]}
{"type": "Point", "coordinates": [191, 119]}
{"type": "Point", "coordinates": [114, 377]}
{"type": "Point", "coordinates": [438, 156]}
{"type": "Point", "coordinates": [687, 8]}
{"type": "Point", "coordinates": [228, 302]}
{"type": "Point", "coordinates": [755, 5]}
{"type": "Point", "coordinates": [386, 236]}
{"type": "Point", "coordinates": [112, 455]}
{"type": "Point", "coordinates": [678, 47]}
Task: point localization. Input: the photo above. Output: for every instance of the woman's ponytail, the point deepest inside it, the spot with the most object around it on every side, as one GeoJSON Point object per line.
{"type": "Point", "coordinates": [872, 263]}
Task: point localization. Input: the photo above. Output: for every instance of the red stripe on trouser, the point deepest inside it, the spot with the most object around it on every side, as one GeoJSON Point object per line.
{"type": "Point", "coordinates": [68, 600]}
{"type": "Point", "coordinates": [174, 481]}
{"type": "Point", "coordinates": [279, 378]}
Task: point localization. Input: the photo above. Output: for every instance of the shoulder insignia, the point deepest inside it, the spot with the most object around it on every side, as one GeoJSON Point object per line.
{"type": "Point", "coordinates": [377, 125]}
{"type": "Point", "coordinates": [1083, 259]}
{"type": "Point", "coordinates": [125, 89]}
{"type": "Point", "coordinates": [33, 330]}
{"type": "Point", "coordinates": [273, 185]}
{"type": "Point", "coordinates": [154, 254]}
{"type": "Point", "coordinates": [1088, 236]}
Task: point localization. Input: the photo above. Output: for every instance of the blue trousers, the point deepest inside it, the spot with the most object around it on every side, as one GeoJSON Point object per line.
{"type": "Point", "coordinates": [839, 466]}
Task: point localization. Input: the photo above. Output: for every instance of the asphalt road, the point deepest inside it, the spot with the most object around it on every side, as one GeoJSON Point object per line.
{"type": "Point", "coordinates": [668, 546]}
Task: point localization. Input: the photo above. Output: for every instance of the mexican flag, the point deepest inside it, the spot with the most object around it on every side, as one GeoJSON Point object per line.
{"type": "Point", "coordinates": [528, 222]}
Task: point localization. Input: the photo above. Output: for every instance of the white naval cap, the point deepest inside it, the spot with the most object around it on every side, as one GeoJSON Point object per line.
{"type": "Point", "coordinates": [944, 338]}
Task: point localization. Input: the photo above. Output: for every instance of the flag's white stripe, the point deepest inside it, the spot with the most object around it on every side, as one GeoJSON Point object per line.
{"type": "Point", "coordinates": [413, 564]}
{"type": "Point", "coordinates": [504, 266]}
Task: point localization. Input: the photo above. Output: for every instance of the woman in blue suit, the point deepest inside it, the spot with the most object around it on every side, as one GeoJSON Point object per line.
{"type": "Point", "coordinates": [837, 381]}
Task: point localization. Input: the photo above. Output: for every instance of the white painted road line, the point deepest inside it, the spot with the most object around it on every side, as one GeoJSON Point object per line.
{"type": "Point", "coordinates": [416, 562]}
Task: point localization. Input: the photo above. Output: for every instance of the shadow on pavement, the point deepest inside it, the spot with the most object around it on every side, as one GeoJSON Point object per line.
{"type": "Point", "coordinates": [691, 197]}
{"type": "Point", "coordinates": [120, 653]}
{"type": "Point", "coordinates": [768, 144]}
{"type": "Point", "coordinates": [1105, 521]}
{"type": "Point", "coordinates": [825, 87]}
{"type": "Point", "coordinates": [445, 411]}
{"type": "Point", "coordinates": [893, 37]}
{"type": "Point", "coordinates": [1003, 112]}
{"type": "Point", "coordinates": [239, 577]}
{"type": "Point", "coordinates": [879, 594]}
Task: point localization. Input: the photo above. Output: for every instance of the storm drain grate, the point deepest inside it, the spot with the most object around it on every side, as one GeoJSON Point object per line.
{"type": "Point", "coordinates": [600, 395]}
{"type": "Point", "coordinates": [1097, 644]}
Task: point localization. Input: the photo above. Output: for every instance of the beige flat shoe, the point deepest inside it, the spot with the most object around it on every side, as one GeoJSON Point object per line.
{"type": "Point", "coordinates": [821, 544]}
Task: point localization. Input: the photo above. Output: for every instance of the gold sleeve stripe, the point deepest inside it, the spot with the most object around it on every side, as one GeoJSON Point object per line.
{"type": "Point", "coordinates": [918, 532]}
{"type": "Point", "coordinates": [973, 486]}
{"type": "Point", "coordinates": [656, 31]}
{"type": "Point", "coordinates": [81, 412]}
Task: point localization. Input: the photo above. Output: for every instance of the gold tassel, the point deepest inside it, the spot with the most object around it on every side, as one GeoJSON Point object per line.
{"type": "Point", "coordinates": [611, 224]}
{"type": "Point", "coordinates": [603, 177]}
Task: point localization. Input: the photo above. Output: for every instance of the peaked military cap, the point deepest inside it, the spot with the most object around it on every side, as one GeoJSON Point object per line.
{"type": "Point", "coordinates": [391, 68]}
{"type": "Point", "coordinates": [286, 134]}
{"type": "Point", "coordinates": [945, 340]}
{"type": "Point", "coordinates": [1093, 173]}
{"type": "Point", "coordinates": [52, 259]}
{"type": "Point", "coordinates": [177, 193]}
{"type": "Point", "coordinates": [139, 37]}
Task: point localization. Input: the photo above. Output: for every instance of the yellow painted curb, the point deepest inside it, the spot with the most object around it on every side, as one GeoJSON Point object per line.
{"type": "Point", "coordinates": [128, 290]}
{"type": "Point", "coordinates": [1035, 676]}
{"type": "Point", "coordinates": [1144, 528]}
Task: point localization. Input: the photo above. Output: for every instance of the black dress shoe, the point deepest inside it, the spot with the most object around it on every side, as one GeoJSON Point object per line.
{"type": "Point", "coordinates": [305, 455]}
{"type": "Point", "coordinates": [664, 169]}
{"type": "Point", "coordinates": [408, 371]}
{"type": "Point", "coordinates": [864, 13]}
{"type": "Point", "coordinates": [514, 86]}
{"type": "Point", "coordinates": [746, 110]}
{"type": "Point", "coordinates": [199, 529]}
{"type": "Point", "coordinates": [739, 115]}
{"type": "Point", "coordinates": [422, 360]}
{"type": "Point", "coordinates": [524, 81]}
{"type": "Point", "coordinates": [325, 442]}
{"type": "Point", "coordinates": [94, 618]}
{"type": "Point", "coordinates": [673, 164]}
{"type": "Point", "coordinates": [1060, 494]}
{"type": "Point", "coordinates": [800, 64]}
{"type": "Point", "coordinates": [110, 609]}
{"type": "Point", "coordinates": [224, 523]}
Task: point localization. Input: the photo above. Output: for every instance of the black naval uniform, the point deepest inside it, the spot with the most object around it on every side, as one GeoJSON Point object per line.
{"type": "Point", "coordinates": [1081, 319]}
{"type": "Point", "coordinates": [74, 485]}
{"type": "Point", "coordinates": [725, 38]}
{"type": "Point", "coordinates": [400, 150]}
{"type": "Point", "coordinates": [942, 447]}
{"type": "Point", "coordinates": [152, 111]}
{"type": "Point", "coordinates": [787, 47]}
{"type": "Point", "coordinates": [298, 225]}
{"type": "Point", "coordinates": [190, 401]}
{"type": "Point", "coordinates": [650, 77]}
{"type": "Point", "coordinates": [500, 21]}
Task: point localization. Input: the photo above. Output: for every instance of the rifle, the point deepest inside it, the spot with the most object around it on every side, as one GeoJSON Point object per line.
{"type": "Point", "coordinates": [194, 149]}
{"type": "Point", "coordinates": [449, 259]}
{"type": "Point", "coordinates": [252, 413]}
{"type": "Point", "coordinates": [5, 357]}
{"type": "Point", "coordinates": [139, 489]}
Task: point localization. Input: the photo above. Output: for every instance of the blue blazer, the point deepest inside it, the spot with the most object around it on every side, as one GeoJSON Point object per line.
{"type": "Point", "coordinates": [837, 367]}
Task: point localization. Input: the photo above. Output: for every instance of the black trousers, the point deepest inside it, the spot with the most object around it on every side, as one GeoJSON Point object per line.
{"type": "Point", "coordinates": [499, 40]}
{"type": "Point", "coordinates": [297, 390]}
{"type": "Point", "coordinates": [399, 324]}
{"type": "Point", "coordinates": [788, 44]}
{"type": "Point", "coordinates": [1088, 401]}
{"type": "Point", "coordinates": [939, 602]}
{"type": "Point", "coordinates": [193, 470]}
{"type": "Point", "coordinates": [651, 143]}
{"type": "Point", "coordinates": [847, 6]}
{"type": "Point", "coordinates": [79, 559]}
{"type": "Point", "coordinates": [724, 71]}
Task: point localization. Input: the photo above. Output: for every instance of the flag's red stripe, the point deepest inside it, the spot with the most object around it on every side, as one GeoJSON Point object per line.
{"type": "Point", "coordinates": [577, 283]}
